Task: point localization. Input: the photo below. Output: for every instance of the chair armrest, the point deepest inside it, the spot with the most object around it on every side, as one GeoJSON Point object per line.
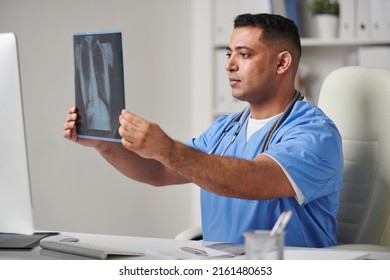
{"type": "Point", "coordinates": [194, 233]}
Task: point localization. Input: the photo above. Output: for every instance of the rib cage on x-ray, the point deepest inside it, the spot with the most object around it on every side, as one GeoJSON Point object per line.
{"type": "Point", "coordinates": [93, 62]}
{"type": "Point", "coordinates": [99, 84]}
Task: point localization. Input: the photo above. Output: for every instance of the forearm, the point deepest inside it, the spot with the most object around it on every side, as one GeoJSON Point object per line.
{"type": "Point", "coordinates": [127, 162]}
{"type": "Point", "coordinates": [261, 178]}
{"type": "Point", "coordinates": [135, 167]}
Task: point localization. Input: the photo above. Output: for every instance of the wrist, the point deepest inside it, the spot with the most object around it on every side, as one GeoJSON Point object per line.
{"type": "Point", "coordinates": [171, 154]}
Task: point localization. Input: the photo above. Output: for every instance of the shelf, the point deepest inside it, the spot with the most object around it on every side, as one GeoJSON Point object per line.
{"type": "Point", "coordinates": [317, 42]}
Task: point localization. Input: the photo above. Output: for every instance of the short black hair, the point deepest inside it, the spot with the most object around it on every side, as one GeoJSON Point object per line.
{"type": "Point", "coordinates": [275, 28]}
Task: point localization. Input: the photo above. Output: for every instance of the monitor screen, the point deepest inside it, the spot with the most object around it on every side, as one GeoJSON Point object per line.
{"type": "Point", "coordinates": [15, 194]}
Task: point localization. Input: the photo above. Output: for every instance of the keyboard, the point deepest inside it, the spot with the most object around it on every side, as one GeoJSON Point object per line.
{"type": "Point", "coordinates": [73, 246]}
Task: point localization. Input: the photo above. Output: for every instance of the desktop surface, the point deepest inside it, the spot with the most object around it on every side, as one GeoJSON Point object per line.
{"type": "Point", "coordinates": [151, 245]}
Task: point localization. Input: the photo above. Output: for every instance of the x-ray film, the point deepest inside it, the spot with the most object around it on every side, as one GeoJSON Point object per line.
{"type": "Point", "coordinates": [99, 82]}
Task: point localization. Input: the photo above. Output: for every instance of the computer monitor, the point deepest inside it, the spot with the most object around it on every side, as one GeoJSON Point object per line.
{"type": "Point", "coordinates": [15, 194]}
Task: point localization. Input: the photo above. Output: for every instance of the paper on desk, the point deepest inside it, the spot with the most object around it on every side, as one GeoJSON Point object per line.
{"type": "Point", "coordinates": [178, 254]}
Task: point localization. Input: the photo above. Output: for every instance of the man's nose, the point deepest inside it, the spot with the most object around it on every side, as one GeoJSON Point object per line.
{"type": "Point", "coordinates": [231, 65]}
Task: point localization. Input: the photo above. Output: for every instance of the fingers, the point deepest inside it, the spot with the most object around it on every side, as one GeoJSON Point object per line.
{"type": "Point", "coordinates": [67, 134]}
{"type": "Point", "coordinates": [141, 136]}
{"type": "Point", "coordinates": [133, 119]}
{"type": "Point", "coordinates": [72, 109]}
{"type": "Point", "coordinates": [70, 124]}
{"type": "Point", "coordinates": [133, 129]}
{"type": "Point", "coordinates": [126, 130]}
{"type": "Point", "coordinates": [70, 130]}
{"type": "Point", "coordinates": [129, 124]}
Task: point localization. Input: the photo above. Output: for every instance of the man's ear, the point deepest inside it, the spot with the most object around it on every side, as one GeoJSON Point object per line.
{"type": "Point", "coordinates": [284, 60]}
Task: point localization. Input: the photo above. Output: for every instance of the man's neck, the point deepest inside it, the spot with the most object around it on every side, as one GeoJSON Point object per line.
{"type": "Point", "coordinates": [271, 107]}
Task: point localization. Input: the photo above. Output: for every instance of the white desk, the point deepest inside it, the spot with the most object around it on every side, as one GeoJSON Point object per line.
{"type": "Point", "coordinates": [116, 241]}
{"type": "Point", "coordinates": [144, 244]}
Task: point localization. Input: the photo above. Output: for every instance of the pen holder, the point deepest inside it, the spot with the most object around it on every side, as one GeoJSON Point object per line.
{"type": "Point", "coordinates": [260, 245]}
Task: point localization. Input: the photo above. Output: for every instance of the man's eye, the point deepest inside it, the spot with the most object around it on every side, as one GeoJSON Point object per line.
{"type": "Point", "coordinates": [228, 55]}
{"type": "Point", "coordinates": [244, 55]}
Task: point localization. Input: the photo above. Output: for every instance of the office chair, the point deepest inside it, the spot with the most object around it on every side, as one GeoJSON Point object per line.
{"type": "Point", "coordinates": [357, 99]}
{"type": "Point", "coordinates": [193, 233]}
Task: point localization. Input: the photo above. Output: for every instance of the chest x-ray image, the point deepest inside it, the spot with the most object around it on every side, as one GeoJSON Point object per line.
{"type": "Point", "coordinates": [99, 84]}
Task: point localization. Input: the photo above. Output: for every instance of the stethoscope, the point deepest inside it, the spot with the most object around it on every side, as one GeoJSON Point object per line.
{"type": "Point", "coordinates": [246, 112]}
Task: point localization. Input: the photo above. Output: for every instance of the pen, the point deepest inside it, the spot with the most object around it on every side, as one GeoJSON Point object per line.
{"type": "Point", "coordinates": [281, 223]}
{"type": "Point", "coordinates": [194, 251]}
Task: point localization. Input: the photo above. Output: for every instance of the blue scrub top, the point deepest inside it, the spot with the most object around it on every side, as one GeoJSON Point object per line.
{"type": "Point", "coordinates": [308, 146]}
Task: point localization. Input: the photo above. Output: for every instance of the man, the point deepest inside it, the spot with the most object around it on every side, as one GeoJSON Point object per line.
{"type": "Point", "coordinates": [246, 185]}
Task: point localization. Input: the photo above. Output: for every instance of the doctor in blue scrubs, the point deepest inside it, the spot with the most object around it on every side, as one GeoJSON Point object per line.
{"type": "Point", "coordinates": [281, 153]}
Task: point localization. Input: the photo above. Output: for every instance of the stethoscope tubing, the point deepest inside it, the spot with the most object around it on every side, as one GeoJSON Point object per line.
{"type": "Point", "coordinates": [297, 96]}
{"type": "Point", "coordinates": [227, 128]}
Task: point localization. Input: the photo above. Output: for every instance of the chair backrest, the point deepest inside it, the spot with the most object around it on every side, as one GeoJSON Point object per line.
{"type": "Point", "coordinates": [357, 99]}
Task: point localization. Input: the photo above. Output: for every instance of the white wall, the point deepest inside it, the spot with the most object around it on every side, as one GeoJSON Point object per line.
{"type": "Point", "coordinates": [74, 189]}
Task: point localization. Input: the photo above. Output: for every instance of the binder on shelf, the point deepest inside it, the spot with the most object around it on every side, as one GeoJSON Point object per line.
{"type": "Point", "coordinates": [363, 16]}
{"type": "Point", "coordinates": [386, 10]}
{"type": "Point", "coordinates": [348, 25]}
{"type": "Point", "coordinates": [292, 12]}
{"type": "Point", "coordinates": [288, 9]}
{"type": "Point", "coordinates": [278, 7]}
{"type": "Point", "coordinates": [378, 19]}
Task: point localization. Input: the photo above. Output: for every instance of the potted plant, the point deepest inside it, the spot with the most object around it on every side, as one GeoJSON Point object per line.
{"type": "Point", "coordinates": [326, 13]}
